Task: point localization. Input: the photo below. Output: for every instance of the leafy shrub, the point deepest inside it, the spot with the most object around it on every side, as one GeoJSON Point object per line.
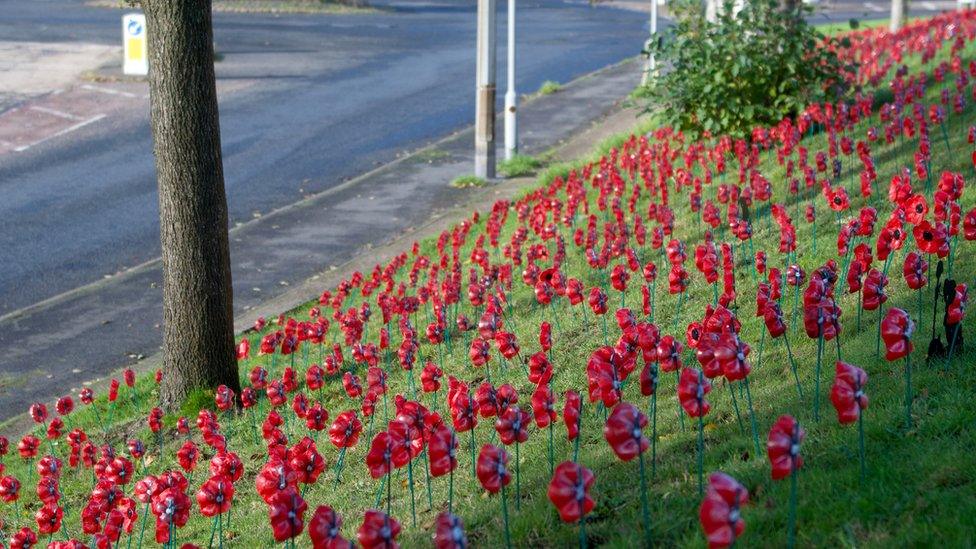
{"type": "Point", "coordinates": [748, 68]}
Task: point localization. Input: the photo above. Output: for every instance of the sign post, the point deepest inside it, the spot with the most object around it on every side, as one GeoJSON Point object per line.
{"type": "Point", "coordinates": [135, 57]}
{"type": "Point", "coordinates": [511, 98]}
{"type": "Point", "coordinates": [484, 125]}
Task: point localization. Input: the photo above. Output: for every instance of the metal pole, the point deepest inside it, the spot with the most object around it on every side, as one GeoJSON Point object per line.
{"type": "Point", "coordinates": [511, 99]}
{"type": "Point", "coordinates": [484, 126]}
{"type": "Point", "coordinates": [650, 66]}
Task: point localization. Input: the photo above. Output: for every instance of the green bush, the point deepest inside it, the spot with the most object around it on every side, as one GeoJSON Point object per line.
{"type": "Point", "coordinates": [748, 68]}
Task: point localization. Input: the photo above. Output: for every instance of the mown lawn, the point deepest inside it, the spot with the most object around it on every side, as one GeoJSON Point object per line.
{"type": "Point", "coordinates": [919, 489]}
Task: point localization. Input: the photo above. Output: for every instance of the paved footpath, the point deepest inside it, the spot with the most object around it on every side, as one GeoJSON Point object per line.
{"type": "Point", "coordinates": [284, 258]}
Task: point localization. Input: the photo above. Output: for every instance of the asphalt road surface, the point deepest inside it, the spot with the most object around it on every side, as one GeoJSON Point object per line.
{"type": "Point", "coordinates": [326, 97]}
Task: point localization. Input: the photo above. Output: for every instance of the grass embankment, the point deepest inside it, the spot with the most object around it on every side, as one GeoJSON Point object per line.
{"type": "Point", "coordinates": [919, 488]}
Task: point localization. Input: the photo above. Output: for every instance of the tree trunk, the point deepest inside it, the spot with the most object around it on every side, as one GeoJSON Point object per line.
{"type": "Point", "coordinates": [898, 9]}
{"type": "Point", "coordinates": [198, 313]}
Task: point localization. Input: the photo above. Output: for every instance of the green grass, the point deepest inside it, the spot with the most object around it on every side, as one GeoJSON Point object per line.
{"type": "Point", "coordinates": [467, 181]}
{"type": "Point", "coordinates": [840, 27]}
{"type": "Point", "coordinates": [519, 165]}
{"type": "Point", "coordinates": [549, 87]}
{"type": "Point", "coordinates": [920, 485]}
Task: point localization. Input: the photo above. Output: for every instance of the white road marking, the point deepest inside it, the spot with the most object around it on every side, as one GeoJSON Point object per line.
{"type": "Point", "coordinates": [69, 129]}
{"type": "Point", "coordinates": [55, 112]}
{"type": "Point", "coordinates": [109, 91]}
{"type": "Point", "coordinates": [929, 6]}
{"type": "Point", "coordinates": [873, 7]}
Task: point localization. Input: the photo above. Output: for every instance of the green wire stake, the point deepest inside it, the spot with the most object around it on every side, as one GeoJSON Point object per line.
{"type": "Point", "coordinates": [430, 497]}
{"type": "Point", "coordinates": [791, 531]}
{"type": "Point", "coordinates": [508, 538]}
{"type": "Point", "coordinates": [816, 391]}
{"type": "Point", "coordinates": [752, 415]}
{"type": "Point", "coordinates": [908, 391]}
{"type": "Point", "coordinates": [701, 450]}
{"type": "Point", "coordinates": [389, 490]}
{"type": "Point", "coordinates": [645, 512]}
{"type": "Point", "coordinates": [450, 492]}
{"type": "Point", "coordinates": [413, 502]}
{"type": "Point", "coordinates": [474, 460]}
{"type": "Point", "coordinates": [735, 405]}
{"type": "Point", "coordinates": [213, 530]}
{"type": "Point", "coordinates": [796, 377]}
{"type": "Point", "coordinates": [654, 434]}
{"type": "Point", "coordinates": [952, 345]}
{"type": "Point", "coordinates": [551, 465]}
{"type": "Point", "coordinates": [677, 382]}
{"type": "Point", "coordinates": [518, 479]}
{"type": "Point", "coordinates": [860, 441]}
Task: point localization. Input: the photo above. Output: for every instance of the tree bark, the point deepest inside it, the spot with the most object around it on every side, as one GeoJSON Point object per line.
{"type": "Point", "coordinates": [898, 9]}
{"type": "Point", "coordinates": [198, 331]}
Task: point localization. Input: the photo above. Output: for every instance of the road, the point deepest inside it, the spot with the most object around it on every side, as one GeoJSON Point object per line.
{"type": "Point", "coordinates": [325, 98]}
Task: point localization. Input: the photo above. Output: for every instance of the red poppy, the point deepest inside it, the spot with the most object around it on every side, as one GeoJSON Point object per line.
{"type": "Point", "coordinates": [957, 308]}
{"type": "Point", "coordinates": [540, 369]}
{"type": "Point", "coordinates": [147, 488]}
{"type": "Point", "coordinates": [624, 431]}
{"type": "Point", "coordinates": [874, 295]}
{"type": "Point", "coordinates": [227, 464]}
{"type": "Point", "coordinates": [449, 532]}
{"type": "Point", "coordinates": [598, 301]}
{"type": "Point", "coordinates": [492, 468]}
{"type": "Point", "coordinates": [38, 412]}
{"type": "Point", "coordinates": [276, 476]}
{"type": "Point", "coordinates": [896, 331]}
{"type": "Point", "coordinates": [315, 377]}
{"type": "Point", "coordinates": [27, 447]}
{"type": "Point", "coordinates": [286, 511]}
{"type": "Point", "coordinates": [345, 430]}
{"type": "Point", "coordinates": [543, 406]}
{"type": "Point", "coordinates": [569, 491]}
{"type": "Point", "coordinates": [783, 446]}
{"type": "Point", "coordinates": [25, 538]}
{"type": "Point", "coordinates": [187, 456]}
{"type": "Point", "coordinates": [916, 207]}
{"type": "Point", "coordinates": [379, 460]}
{"type": "Point", "coordinates": [64, 405]}
{"type": "Point", "coordinates": [571, 413]}
{"type": "Point", "coordinates": [847, 394]}
{"type": "Point", "coordinates": [9, 489]}
{"type": "Point", "coordinates": [171, 507]}
{"type": "Point", "coordinates": [430, 378]}
{"type": "Point", "coordinates": [215, 496]}
{"type": "Point", "coordinates": [692, 388]}
{"type": "Point", "coordinates": [306, 461]}
{"type": "Point", "coordinates": [720, 511]}
{"type": "Point", "coordinates": [378, 531]}
{"type": "Point", "coordinates": [731, 353]}
{"type": "Point", "coordinates": [545, 336]}
{"type": "Point", "coordinates": [316, 417]}
{"type": "Point", "coordinates": [669, 353]}
{"type": "Point", "coordinates": [969, 224]}
{"type": "Point", "coordinates": [914, 270]}
{"type": "Point", "coordinates": [442, 446]}
{"type": "Point", "coordinates": [324, 528]}
{"type": "Point", "coordinates": [932, 238]}
{"type": "Point", "coordinates": [677, 279]}
{"type": "Point", "coordinates": [512, 425]}
{"type": "Point", "coordinates": [605, 371]}
{"type": "Point", "coordinates": [351, 384]}
{"type": "Point", "coordinates": [773, 317]}
{"type": "Point", "coordinates": [119, 470]}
